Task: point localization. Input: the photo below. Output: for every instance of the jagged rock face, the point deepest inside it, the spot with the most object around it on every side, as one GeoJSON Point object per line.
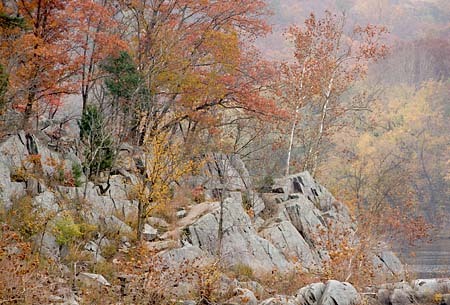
{"type": "Point", "coordinates": [224, 174]}
{"type": "Point", "coordinates": [304, 184]}
{"type": "Point", "coordinates": [309, 205]}
{"type": "Point", "coordinates": [46, 201]}
{"type": "Point", "coordinates": [102, 208]}
{"type": "Point", "coordinates": [241, 244]}
{"type": "Point", "coordinates": [285, 237]}
{"type": "Point", "coordinates": [388, 265]}
{"type": "Point", "coordinates": [9, 189]}
{"type": "Point", "coordinates": [305, 214]}
{"type": "Point", "coordinates": [293, 233]}
{"type": "Point", "coordinates": [12, 152]}
{"type": "Point", "coordinates": [98, 210]}
{"type": "Point", "coordinates": [305, 217]}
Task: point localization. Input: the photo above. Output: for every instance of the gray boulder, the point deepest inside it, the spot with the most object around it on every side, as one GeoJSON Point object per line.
{"type": "Point", "coordinates": [149, 233]}
{"type": "Point", "coordinates": [240, 244]}
{"type": "Point", "coordinates": [402, 297]}
{"type": "Point", "coordinates": [339, 293]}
{"type": "Point", "coordinates": [14, 151]}
{"type": "Point", "coordinates": [93, 279]}
{"type": "Point", "coordinates": [47, 202]}
{"type": "Point", "coordinates": [311, 294]}
{"type": "Point", "coordinates": [303, 183]}
{"type": "Point", "coordinates": [47, 246]}
{"type": "Point", "coordinates": [287, 239]}
{"type": "Point", "coordinates": [94, 251]}
{"type": "Point", "coordinates": [306, 218]}
{"type": "Point", "coordinates": [9, 189]}
{"type": "Point", "coordinates": [102, 205]}
{"type": "Point", "coordinates": [120, 187]}
{"type": "Point", "coordinates": [227, 173]}
{"type": "Point", "coordinates": [426, 289]}
{"type": "Point", "coordinates": [387, 264]}
{"type": "Point", "coordinates": [243, 296]}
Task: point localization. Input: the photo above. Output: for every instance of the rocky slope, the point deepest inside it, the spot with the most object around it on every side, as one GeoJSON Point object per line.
{"type": "Point", "coordinates": [289, 229]}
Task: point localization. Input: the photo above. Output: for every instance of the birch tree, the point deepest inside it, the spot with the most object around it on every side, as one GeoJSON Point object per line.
{"type": "Point", "coordinates": [327, 63]}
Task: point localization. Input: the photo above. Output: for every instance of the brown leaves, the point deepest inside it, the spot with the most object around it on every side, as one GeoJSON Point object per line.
{"type": "Point", "coordinates": [20, 280]}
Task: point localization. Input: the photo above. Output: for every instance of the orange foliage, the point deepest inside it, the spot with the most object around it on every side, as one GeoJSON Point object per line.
{"type": "Point", "coordinates": [195, 56]}
{"type": "Point", "coordinates": [60, 39]}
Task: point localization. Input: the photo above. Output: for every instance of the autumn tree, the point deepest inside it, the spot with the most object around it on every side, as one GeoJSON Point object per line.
{"type": "Point", "coordinates": [10, 27]}
{"type": "Point", "coordinates": [414, 62]}
{"type": "Point", "coordinates": [37, 56]}
{"type": "Point", "coordinates": [192, 61]}
{"type": "Point", "coordinates": [327, 63]}
{"type": "Point", "coordinates": [164, 165]}
{"type": "Point", "coordinates": [49, 48]}
{"type": "Point", "coordinates": [92, 34]}
{"type": "Point", "coordinates": [392, 168]}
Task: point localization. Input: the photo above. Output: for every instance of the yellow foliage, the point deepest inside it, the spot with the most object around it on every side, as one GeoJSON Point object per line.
{"type": "Point", "coordinates": [437, 298]}
{"type": "Point", "coordinates": [164, 164]}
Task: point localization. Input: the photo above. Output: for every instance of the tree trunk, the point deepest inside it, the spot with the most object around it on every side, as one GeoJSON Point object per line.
{"type": "Point", "coordinates": [141, 220]}
{"type": "Point", "coordinates": [27, 123]}
{"type": "Point", "coordinates": [291, 142]}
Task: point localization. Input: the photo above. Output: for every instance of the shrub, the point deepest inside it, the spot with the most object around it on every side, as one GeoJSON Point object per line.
{"type": "Point", "coordinates": [99, 153]}
{"type": "Point", "coordinates": [21, 281]}
{"type": "Point", "coordinates": [242, 272]}
{"type": "Point", "coordinates": [67, 230]}
{"type": "Point", "coordinates": [265, 184]}
{"type": "Point", "coordinates": [77, 173]}
{"type": "Point", "coordinates": [24, 218]}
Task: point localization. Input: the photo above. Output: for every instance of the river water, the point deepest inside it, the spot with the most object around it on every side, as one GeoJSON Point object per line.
{"type": "Point", "coordinates": [429, 259]}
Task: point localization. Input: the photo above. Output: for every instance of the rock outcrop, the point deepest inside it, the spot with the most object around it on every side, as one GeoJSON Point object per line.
{"type": "Point", "coordinates": [240, 243]}
{"type": "Point", "coordinates": [329, 293]}
{"type": "Point", "coordinates": [299, 219]}
{"type": "Point", "coordinates": [421, 291]}
{"type": "Point", "coordinates": [224, 174]}
{"type": "Point", "coordinates": [285, 230]}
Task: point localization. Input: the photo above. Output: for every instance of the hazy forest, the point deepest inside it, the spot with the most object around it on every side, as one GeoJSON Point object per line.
{"type": "Point", "coordinates": [261, 152]}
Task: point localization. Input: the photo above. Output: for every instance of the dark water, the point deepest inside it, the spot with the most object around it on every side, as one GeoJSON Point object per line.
{"type": "Point", "coordinates": [429, 259]}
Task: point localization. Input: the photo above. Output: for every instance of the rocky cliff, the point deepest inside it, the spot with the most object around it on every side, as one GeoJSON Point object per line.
{"type": "Point", "coordinates": [297, 227]}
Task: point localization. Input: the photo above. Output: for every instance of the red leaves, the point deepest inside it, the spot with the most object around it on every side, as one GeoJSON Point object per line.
{"type": "Point", "coordinates": [61, 39]}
